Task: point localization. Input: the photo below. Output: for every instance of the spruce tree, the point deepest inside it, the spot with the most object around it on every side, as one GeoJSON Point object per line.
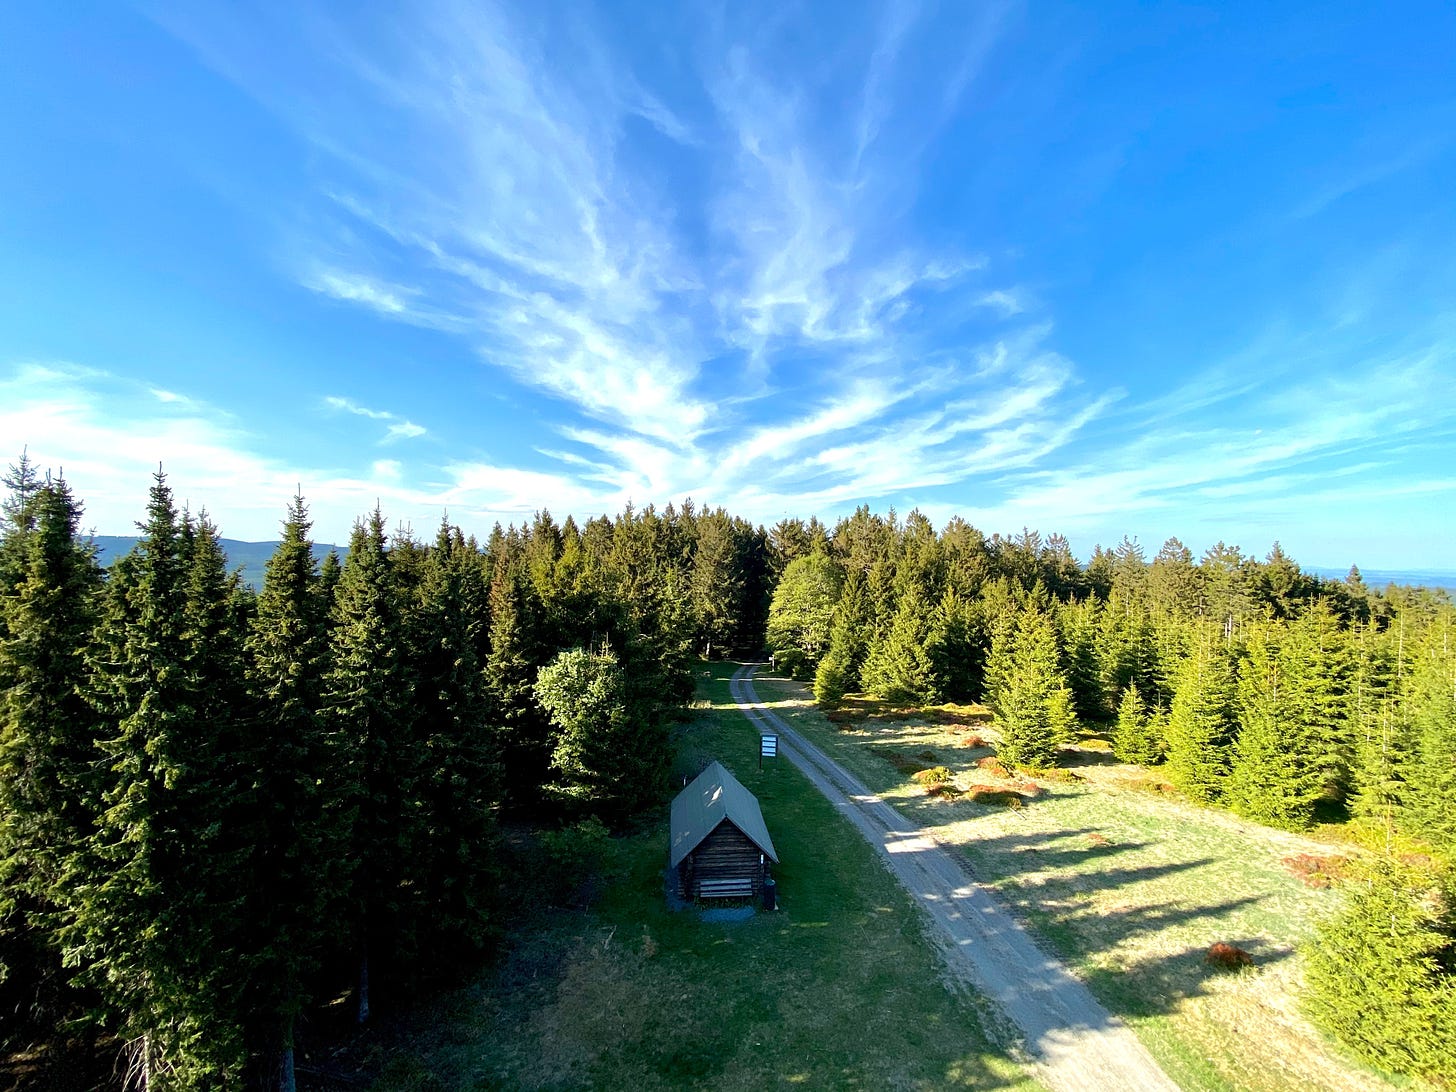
{"type": "Point", "coordinates": [47, 741]}
{"type": "Point", "coordinates": [459, 785]}
{"type": "Point", "coordinates": [998, 612]}
{"type": "Point", "coordinates": [1276, 774]}
{"type": "Point", "coordinates": [331, 571]}
{"type": "Point", "coordinates": [717, 583]}
{"type": "Point", "coordinates": [369, 703]}
{"type": "Point", "coordinates": [1430, 701]}
{"type": "Point", "coordinates": [1201, 724]}
{"type": "Point", "coordinates": [1174, 584]}
{"type": "Point", "coordinates": [899, 668]}
{"type": "Point", "coordinates": [1134, 738]}
{"type": "Point", "coordinates": [510, 674]}
{"type": "Point", "coordinates": [156, 902]}
{"type": "Point", "coordinates": [839, 672]}
{"type": "Point", "coordinates": [1033, 705]}
{"type": "Point", "coordinates": [17, 517]}
{"type": "Point", "coordinates": [1382, 732]}
{"type": "Point", "coordinates": [957, 661]}
{"type": "Point", "coordinates": [1080, 625]}
{"type": "Point", "coordinates": [1319, 661]}
{"type": "Point", "coordinates": [297, 828]}
{"type": "Point", "coordinates": [1378, 973]}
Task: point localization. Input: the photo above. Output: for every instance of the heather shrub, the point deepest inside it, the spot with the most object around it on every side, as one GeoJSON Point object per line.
{"type": "Point", "coordinates": [1316, 872]}
{"type": "Point", "coordinates": [993, 766]}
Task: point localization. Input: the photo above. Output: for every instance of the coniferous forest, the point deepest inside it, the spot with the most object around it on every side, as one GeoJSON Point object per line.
{"type": "Point", "coordinates": [220, 805]}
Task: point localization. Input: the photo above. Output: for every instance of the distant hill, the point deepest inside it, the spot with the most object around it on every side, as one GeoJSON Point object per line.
{"type": "Point", "coordinates": [251, 557]}
{"type": "Point", "coordinates": [1379, 578]}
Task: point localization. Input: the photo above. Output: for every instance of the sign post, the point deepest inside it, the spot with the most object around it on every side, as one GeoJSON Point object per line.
{"type": "Point", "coordinates": [768, 747]}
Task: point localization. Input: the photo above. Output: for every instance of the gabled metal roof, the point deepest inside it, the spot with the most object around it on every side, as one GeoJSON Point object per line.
{"type": "Point", "coordinates": [715, 795]}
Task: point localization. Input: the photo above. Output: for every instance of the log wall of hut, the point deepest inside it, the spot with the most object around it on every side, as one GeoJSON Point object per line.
{"type": "Point", "coordinates": [725, 854]}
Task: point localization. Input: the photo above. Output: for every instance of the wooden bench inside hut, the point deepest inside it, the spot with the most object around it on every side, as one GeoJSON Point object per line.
{"type": "Point", "coordinates": [720, 845]}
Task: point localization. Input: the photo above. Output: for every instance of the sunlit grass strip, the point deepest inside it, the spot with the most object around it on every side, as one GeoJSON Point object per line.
{"type": "Point", "coordinates": [1130, 886]}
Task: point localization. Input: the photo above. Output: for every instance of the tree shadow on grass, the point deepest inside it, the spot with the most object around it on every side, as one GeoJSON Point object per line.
{"type": "Point", "coordinates": [1038, 850]}
{"type": "Point", "coordinates": [1077, 755]}
{"type": "Point", "coordinates": [1157, 984]}
{"type": "Point", "coordinates": [1065, 908]}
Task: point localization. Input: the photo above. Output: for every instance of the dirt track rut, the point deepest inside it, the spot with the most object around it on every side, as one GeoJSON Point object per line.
{"type": "Point", "coordinates": [1075, 1044]}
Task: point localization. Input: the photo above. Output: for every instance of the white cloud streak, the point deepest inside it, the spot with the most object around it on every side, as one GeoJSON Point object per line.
{"type": "Point", "coordinates": [399, 428]}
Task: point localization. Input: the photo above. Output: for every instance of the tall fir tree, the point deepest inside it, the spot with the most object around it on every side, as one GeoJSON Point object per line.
{"type": "Point", "coordinates": [17, 516]}
{"type": "Point", "coordinates": [1275, 776]}
{"type": "Point", "coordinates": [899, 667]}
{"type": "Point", "coordinates": [1430, 702]}
{"type": "Point", "coordinates": [1383, 742]}
{"type": "Point", "coordinates": [298, 825]}
{"type": "Point", "coordinates": [1135, 737]}
{"type": "Point", "coordinates": [998, 611]}
{"type": "Point", "coordinates": [839, 672]}
{"type": "Point", "coordinates": [1201, 724]}
{"type": "Point", "coordinates": [718, 583]}
{"type": "Point", "coordinates": [1080, 626]}
{"type": "Point", "coordinates": [510, 674]}
{"type": "Point", "coordinates": [368, 702]}
{"type": "Point", "coordinates": [156, 901]}
{"type": "Point", "coordinates": [47, 742]}
{"type": "Point", "coordinates": [1033, 703]}
{"type": "Point", "coordinates": [460, 780]}
{"type": "Point", "coordinates": [957, 660]}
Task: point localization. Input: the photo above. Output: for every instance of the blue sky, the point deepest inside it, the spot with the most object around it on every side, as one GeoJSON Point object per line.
{"type": "Point", "coordinates": [1100, 269]}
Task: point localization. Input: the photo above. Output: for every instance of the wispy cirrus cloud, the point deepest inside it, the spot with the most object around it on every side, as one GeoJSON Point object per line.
{"type": "Point", "coordinates": [691, 340]}
{"type": "Point", "coordinates": [712, 275]}
{"type": "Point", "coordinates": [399, 428]}
{"type": "Point", "coordinates": [1293, 452]}
{"type": "Point", "coordinates": [354, 288]}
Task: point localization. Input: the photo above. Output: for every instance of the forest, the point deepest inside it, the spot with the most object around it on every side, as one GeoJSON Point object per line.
{"type": "Point", "coordinates": [219, 806]}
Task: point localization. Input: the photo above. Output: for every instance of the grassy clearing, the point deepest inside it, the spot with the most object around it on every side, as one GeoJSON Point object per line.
{"type": "Point", "coordinates": [1126, 883]}
{"type": "Point", "coordinates": [837, 990]}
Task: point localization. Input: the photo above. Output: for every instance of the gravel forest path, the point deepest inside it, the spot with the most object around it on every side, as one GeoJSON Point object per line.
{"type": "Point", "coordinates": [1074, 1043]}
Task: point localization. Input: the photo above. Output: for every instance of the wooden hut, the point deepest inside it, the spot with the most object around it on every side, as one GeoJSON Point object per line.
{"type": "Point", "coordinates": [720, 846]}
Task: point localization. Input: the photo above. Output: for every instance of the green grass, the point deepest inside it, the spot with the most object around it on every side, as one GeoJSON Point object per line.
{"type": "Point", "coordinates": [1129, 886]}
{"type": "Point", "coordinates": [839, 989]}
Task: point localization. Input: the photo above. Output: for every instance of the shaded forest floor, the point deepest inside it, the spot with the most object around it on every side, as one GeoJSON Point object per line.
{"type": "Point", "coordinates": [1128, 884]}
{"type": "Point", "coordinates": [838, 989]}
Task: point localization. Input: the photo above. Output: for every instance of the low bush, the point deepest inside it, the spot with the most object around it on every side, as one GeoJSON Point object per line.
{"type": "Point", "coordinates": [935, 775]}
{"type": "Point", "coordinates": [1052, 773]}
{"type": "Point", "coordinates": [995, 797]}
{"type": "Point", "coordinates": [579, 859]}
